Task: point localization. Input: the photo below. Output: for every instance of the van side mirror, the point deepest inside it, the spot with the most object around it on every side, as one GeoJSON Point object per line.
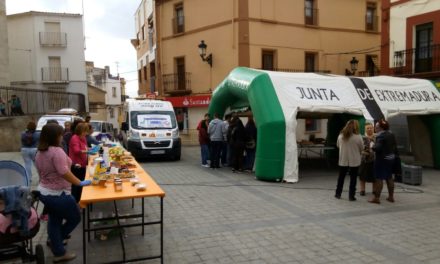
{"type": "Point", "coordinates": [124, 126]}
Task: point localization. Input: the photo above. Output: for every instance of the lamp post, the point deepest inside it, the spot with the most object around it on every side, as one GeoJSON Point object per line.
{"type": "Point", "coordinates": [202, 52]}
{"type": "Point", "coordinates": [354, 64]}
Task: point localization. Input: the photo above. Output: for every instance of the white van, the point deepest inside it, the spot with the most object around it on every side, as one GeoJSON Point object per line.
{"type": "Point", "coordinates": [150, 129]}
{"type": "Point", "coordinates": [101, 128]}
{"type": "Point", "coordinates": [61, 117]}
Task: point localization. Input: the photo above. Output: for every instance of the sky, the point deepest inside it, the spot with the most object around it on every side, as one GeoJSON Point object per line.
{"type": "Point", "coordinates": [109, 25]}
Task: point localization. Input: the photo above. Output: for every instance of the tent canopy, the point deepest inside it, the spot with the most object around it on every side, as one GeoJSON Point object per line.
{"type": "Point", "coordinates": [276, 98]}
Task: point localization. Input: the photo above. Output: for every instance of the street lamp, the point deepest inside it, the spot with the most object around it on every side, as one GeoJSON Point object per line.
{"type": "Point", "coordinates": [202, 52]}
{"type": "Point", "coordinates": [354, 64]}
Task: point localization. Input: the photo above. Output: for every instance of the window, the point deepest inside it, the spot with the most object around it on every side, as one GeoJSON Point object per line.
{"type": "Point", "coordinates": [179, 19]}
{"type": "Point", "coordinates": [55, 69]}
{"type": "Point", "coordinates": [139, 76]}
{"type": "Point", "coordinates": [424, 42]}
{"type": "Point", "coordinates": [143, 32]}
{"type": "Point", "coordinates": [370, 17]}
{"type": "Point", "coordinates": [312, 125]}
{"type": "Point", "coordinates": [111, 112]}
{"type": "Point", "coordinates": [114, 91]}
{"type": "Point", "coordinates": [371, 65]}
{"type": "Point", "coordinates": [93, 109]}
{"type": "Point", "coordinates": [180, 69]}
{"type": "Point", "coordinates": [267, 60]}
{"type": "Point", "coordinates": [310, 13]}
{"type": "Point", "coordinates": [310, 62]}
{"type": "Point", "coordinates": [145, 72]}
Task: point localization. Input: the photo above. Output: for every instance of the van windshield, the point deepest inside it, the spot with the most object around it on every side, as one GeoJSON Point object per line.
{"type": "Point", "coordinates": [153, 120]}
{"type": "Point", "coordinates": [96, 126]}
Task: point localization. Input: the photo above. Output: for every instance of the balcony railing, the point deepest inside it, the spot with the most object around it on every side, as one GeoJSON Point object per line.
{"type": "Point", "coordinates": [311, 16]}
{"type": "Point", "coordinates": [371, 23]}
{"type": "Point", "coordinates": [178, 24]}
{"type": "Point", "coordinates": [177, 83]}
{"type": "Point", "coordinates": [296, 70]}
{"type": "Point", "coordinates": [54, 74]}
{"type": "Point", "coordinates": [418, 60]}
{"type": "Point", "coordinates": [35, 101]}
{"type": "Point", "coordinates": [53, 39]}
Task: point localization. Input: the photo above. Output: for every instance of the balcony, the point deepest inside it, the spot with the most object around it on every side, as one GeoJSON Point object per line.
{"type": "Point", "coordinates": [418, 62]}
{"type": "Point", "coordinates": [311, 16]}
{"type": "Point", "coordinates": [178, 25]}
{"type": "Point", "coordinates": [296, 70]}
{"type": "Point", "coordinates": [55, 75]}
{"type": "Point", "coordinates": [177, 84]}
{"type": "Point", "coordinates": [371, 23]}
{"type": "Point", "coordinates": [53, 39]}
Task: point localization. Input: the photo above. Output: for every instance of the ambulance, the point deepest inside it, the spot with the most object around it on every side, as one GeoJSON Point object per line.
{"type": "Point", "coordinates": [150, 129]}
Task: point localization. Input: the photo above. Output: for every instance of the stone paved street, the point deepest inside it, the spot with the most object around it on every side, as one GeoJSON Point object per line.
{"type": "Point", "coordinates": [216, 216]}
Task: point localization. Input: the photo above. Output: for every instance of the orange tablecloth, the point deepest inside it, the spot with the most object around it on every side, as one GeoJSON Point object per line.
{"type": "Point", "coordinates": [94, 193]}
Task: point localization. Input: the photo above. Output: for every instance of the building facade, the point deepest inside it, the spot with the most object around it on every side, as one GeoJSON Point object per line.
{"type": "Point", "coordinates": [411, 39]}
{"type": "Point", "coordinates": [102, 79]}
{"type": "Point", "coordinates": [4, 52]}
{"type": "Point", "coordinates": [278, 35]}
{"type": "Point", "coordinates": [46, 51]}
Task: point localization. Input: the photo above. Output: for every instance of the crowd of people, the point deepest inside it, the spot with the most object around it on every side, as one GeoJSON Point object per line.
{"type": "Point", "coordinates": [374, 157]}
{"type": "Point", "coordinates": [227, 142]}
{"type": "Point", "coordinates": [60, 156]}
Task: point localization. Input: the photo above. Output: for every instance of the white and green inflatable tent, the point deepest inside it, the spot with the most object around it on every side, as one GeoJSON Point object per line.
{"type": "Point", "coordinates": [277, 97]}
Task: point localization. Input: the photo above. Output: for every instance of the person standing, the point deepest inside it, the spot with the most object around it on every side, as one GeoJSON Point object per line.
{"type": "Point", "coordinates": [53, 167]}
{"type": "Point", "coordinates": [385, 149]}
{"type": "Point", "coordinates": [366, 170]}
{"type": "Point", "coordinates": [29, 143]}
{"type": "Point", "coordinates": [89, 138]}
{"type": "Point", "coordinates": [250, 146]}
{"type": "Point", "coordinates": [78, 155]}
{"type": "Point", "coordinates": [204, 140]}
{"type": "Point", "coordinates": [16, 105]}
{"type": "Point", "coordinates": [238, 139]}
{"type": "Point", "coordinates": [350, 146]}
{"type": "Point", "coordinates": [216, 136]}
{"type": "Point", "coordinates": [2, 107]}
{"type": "Point", "coordinates": [225, 149]}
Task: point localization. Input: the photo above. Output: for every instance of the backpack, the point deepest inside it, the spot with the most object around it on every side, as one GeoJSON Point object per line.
{"type": "Point", "coordinates": [28, 138]}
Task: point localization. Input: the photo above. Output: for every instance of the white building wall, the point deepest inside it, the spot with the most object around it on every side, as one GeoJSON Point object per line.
{"type": "Point", "coordinates": [4, 54]}
{"type": "Point", "coordinates": [398, 16]}
{"type": "Point", "coordinates": [28, 57]}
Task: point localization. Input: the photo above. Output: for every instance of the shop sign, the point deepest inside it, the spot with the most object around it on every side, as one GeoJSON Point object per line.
{"type": "Point", "coordinates": [190, 101]}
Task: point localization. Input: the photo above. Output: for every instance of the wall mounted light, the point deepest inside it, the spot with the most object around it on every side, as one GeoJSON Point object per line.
{"type": "Point", "coordinates": [202, 52]}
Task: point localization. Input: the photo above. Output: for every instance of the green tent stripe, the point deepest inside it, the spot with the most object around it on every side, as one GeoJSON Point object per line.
{"type": "Point", "coordinates": [256, 88]}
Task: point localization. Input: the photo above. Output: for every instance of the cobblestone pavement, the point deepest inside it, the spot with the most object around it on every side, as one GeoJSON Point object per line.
{"type": "Point", "coordinates": [216, 216]}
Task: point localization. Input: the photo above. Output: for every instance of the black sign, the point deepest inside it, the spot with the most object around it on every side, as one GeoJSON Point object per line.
{"type": "Point", "coordinates": [367, 98]}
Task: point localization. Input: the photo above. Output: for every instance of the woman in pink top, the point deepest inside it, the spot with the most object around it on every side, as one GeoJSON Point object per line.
{"type": "Point", "coordinates": [78, 154]}
{"type": "Point", "coordinates": [56, 179]}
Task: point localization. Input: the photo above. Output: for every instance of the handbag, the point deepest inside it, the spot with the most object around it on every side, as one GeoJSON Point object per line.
{"type": "Point", "coordinates": [250, 144]}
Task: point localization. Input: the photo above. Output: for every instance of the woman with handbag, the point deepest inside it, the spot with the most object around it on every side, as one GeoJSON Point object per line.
{"type": "Point", "coordinates": [366, 170]}
{"type": "Point", "coordinates": [350, 146]}
{"type": "Point", "coordinates": [385, 149]}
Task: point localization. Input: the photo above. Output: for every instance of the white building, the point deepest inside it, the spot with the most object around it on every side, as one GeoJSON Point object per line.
{"type": "Point", "coordinates": [4, 56]}
{"type": "Point", "coordinates": [46, 51]}
{"type": "Point", "coordinates": [102, 79]}
{"type": "Point", "coordinates": [145, 45]}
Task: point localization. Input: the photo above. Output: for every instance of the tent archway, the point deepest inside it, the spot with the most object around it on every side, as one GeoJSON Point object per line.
{"type": "Point", "coordinates": [275, 99]}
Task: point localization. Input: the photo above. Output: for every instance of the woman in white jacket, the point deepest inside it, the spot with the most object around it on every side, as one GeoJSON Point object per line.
{"type": "Point", "coordinates": [350, 146]}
